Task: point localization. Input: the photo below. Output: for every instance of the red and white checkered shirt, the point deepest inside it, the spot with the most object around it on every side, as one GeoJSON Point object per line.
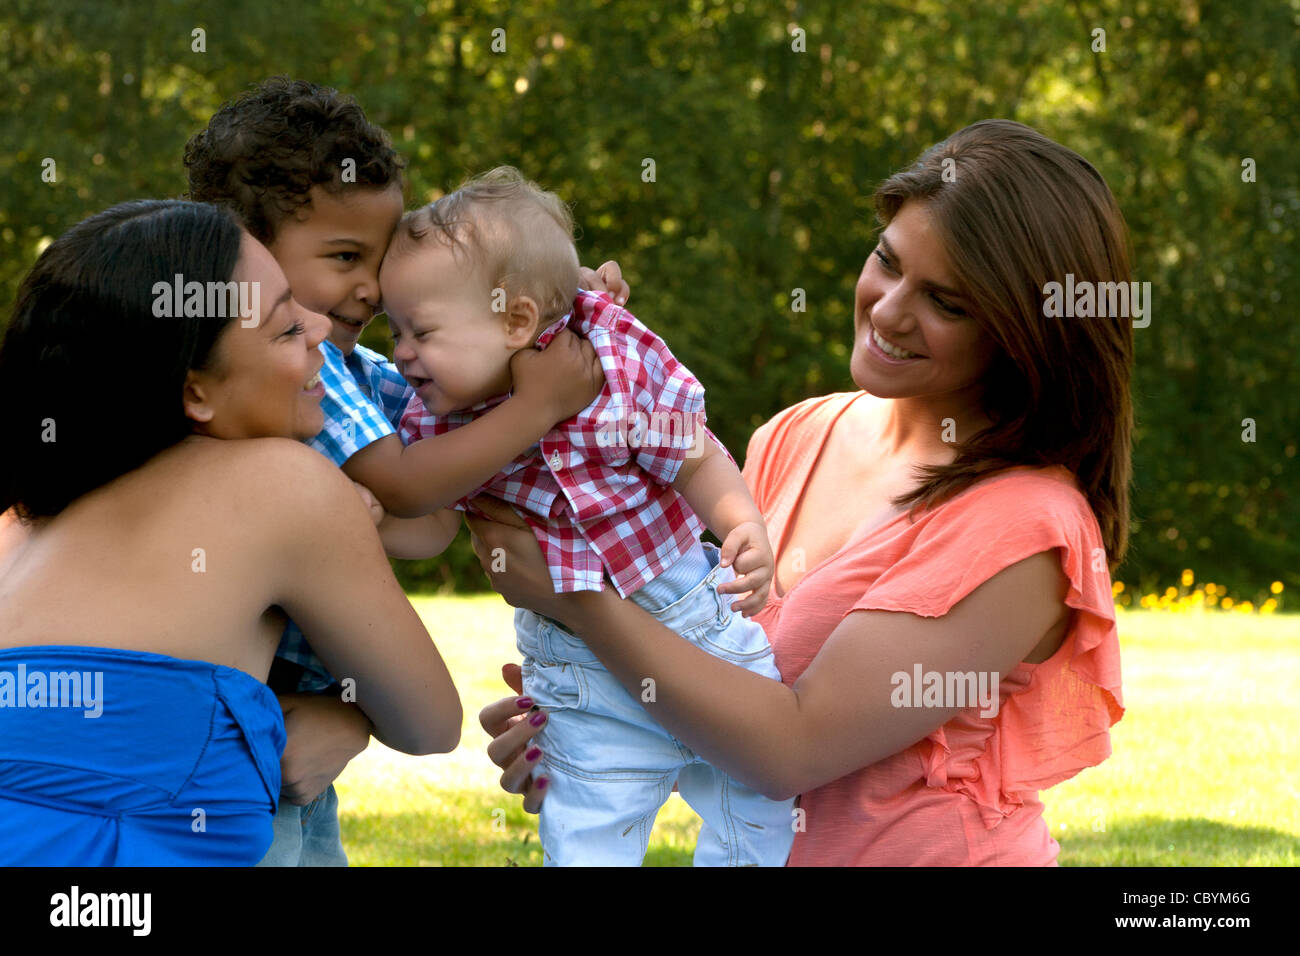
{"type": "Point", "coordinates": [597, 489]}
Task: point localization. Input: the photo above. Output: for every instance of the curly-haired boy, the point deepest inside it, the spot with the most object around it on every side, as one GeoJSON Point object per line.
{"type": "Point", "coordinates": [321, 186]}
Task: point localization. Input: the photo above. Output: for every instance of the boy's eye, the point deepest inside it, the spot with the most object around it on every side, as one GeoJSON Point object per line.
{"type": "Point", "coordinates": [884, 260]}
{"type": "Point", "coordinates": [354, 256]}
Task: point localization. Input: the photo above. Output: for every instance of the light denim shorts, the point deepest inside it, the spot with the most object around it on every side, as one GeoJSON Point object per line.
{"type": "Point", "coordinates": [307, 836]}
{"type": "Point", "coordinates": [612, 767]}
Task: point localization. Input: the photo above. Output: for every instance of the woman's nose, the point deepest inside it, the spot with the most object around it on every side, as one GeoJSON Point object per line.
{"type": "Point", "coordinates": [318, 327]}
{"type": "Point", "coordinates": [892, 312]}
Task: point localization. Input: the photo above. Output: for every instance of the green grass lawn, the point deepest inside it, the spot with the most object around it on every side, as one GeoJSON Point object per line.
{"type": "Point", "coordinates": [1199, 774]}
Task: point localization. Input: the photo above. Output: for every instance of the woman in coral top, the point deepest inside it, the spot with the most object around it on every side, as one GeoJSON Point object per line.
{"type": "Point", "coordinates": [941, 609]}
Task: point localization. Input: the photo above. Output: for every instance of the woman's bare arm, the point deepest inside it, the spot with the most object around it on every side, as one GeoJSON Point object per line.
{"type": "Point", "coordinates": [328, 571]}
{"type": "Point", "coordinates": [839, 716]}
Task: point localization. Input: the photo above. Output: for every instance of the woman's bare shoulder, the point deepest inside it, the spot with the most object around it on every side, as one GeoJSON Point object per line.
{"type": "Point", "coordinates": [267, 476]}
{"type": "Point", "coordinates": [242, 452]}
{"type": "Point", "coordinates": [282, 457]}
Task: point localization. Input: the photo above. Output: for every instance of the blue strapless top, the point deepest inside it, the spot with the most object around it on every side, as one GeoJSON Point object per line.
{"type": "Point", "coordinates": [180, 767]}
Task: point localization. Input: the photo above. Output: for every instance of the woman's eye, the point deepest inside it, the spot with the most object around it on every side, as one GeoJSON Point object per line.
{"type": "Point", "coordinates": [298, 329]}
{"type": "Point", "coordinates": [950, 309]}
{"type": "Point", "coordinates": [884, 260]}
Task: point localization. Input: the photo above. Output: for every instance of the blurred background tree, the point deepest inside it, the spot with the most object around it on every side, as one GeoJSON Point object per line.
{"type": "Point", "coordinates": [768, 124]}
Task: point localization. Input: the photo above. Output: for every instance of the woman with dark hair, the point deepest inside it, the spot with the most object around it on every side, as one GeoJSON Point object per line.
{"type": "Point", "coordinates": [941, 610]}
{"type": "Point", "coordinates": [146, 569]}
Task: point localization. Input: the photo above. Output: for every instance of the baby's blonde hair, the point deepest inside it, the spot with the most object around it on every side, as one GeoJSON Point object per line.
{"type": "Point", "coordinates": [521, 234]}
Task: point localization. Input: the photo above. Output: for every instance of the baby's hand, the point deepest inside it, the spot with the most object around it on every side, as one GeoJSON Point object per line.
{"type": "Point", "coordinates": [371, 502]}
{"type": "Point", "coordinates": [748, 549]}
{"type": "Point", "coordinates": [566, 377]}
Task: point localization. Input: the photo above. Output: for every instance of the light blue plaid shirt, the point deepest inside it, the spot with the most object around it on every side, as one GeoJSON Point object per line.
{"type": "Point", "coordinates": [364, 399]}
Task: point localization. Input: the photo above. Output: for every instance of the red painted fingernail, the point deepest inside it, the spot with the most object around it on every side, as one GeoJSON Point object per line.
{"type": "Point", "coordinates": [538, 719]}
{"type": "Point", "coordinates": [523, 702]}
{"type": "Point", "coordinates": [533, 754]}
{"type": "Point", "coordinates": [542, 782]}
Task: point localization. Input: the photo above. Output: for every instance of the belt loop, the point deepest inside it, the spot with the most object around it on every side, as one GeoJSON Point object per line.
{"type": "Point", "coordinates": [724, 608]}
{"type": "Point", "coordinates": [713, 554]}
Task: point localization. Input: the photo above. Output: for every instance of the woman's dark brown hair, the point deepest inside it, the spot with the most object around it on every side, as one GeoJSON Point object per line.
{"type": "Point", "coordinates": [1015, 212]}
{"type": "Point", "coordinates": [90, 378]}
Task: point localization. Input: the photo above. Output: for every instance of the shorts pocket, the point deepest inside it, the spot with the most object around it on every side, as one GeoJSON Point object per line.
{"type": "Point", "coordinates": [736, 638]}
{"type": "Point", "coordinates": [558, 646]}
{"type": "Point", "coordinates": [555, 686]}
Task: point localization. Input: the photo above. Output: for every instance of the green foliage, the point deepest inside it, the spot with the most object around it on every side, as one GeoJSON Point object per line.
{"type": "Point", "coordinates": [765, 159]}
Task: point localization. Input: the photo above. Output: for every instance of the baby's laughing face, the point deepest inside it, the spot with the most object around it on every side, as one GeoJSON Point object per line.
{"type": "Point", "coordinates": [448, 342]}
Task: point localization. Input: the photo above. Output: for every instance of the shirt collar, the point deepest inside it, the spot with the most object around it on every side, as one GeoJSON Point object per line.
{"type": "Point", "coordinates": [552, 330]}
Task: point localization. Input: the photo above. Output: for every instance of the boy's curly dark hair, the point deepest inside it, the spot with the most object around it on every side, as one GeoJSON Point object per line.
{"type": "Point", "coordinates": [261, 154]}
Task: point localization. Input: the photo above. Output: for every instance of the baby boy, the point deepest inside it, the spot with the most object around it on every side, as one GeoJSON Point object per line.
{"type": "Point", "coordinates": [620, 492]}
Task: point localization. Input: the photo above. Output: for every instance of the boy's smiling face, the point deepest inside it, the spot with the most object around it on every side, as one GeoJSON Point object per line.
{"type": "Point", "coordinates": [330, 251]}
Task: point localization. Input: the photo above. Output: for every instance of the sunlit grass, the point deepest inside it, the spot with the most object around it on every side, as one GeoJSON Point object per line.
{"type": "Point", "coordinates": [1201, 769]}
{"type": "Point", "coordinates": [1200, 775]}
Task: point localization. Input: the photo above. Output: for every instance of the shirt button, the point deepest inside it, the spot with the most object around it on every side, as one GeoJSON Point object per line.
{"type": "Point", "coordinates": [556, 463]}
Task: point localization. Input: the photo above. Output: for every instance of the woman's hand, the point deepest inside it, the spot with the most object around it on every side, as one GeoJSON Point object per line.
{"type": "Point", "coordinates": [513, 722]}
{"type": "Point", "coordinates": [324, 734]}
{"type": "Point", "coordinates": [608, 278]}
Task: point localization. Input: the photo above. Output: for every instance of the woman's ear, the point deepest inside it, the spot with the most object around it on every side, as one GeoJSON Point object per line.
{"type": "Point", "coordinates": [522, 318]}
{"type": "Point", "coordinates": [197, 397]}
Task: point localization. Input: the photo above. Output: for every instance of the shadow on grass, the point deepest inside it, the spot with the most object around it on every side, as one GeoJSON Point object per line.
{"type": "Point", "coordinates": [1187, 841]}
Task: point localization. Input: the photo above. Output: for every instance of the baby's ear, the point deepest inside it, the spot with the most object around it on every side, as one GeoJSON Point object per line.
{"type": "Point", "coordinates": [522, 318]}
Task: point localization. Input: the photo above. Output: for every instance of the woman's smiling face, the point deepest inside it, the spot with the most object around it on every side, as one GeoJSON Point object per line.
{"type": "Point", "coordinates": [263, 379]}
{"type": "Point", "coordinates": [907, 299]}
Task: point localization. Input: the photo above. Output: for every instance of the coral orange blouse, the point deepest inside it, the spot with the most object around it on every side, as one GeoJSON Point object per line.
{"type": "Point", "coordinates": [968, 793]}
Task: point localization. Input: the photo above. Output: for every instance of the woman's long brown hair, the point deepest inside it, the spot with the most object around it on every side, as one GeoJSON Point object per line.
{"type": "Point", "coordinates": [1014, 212]}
